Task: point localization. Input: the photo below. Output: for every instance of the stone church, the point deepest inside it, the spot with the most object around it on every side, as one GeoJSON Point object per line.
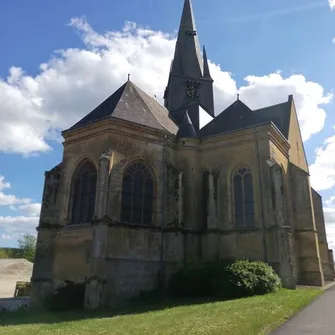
{"type": "Point", "coordinates": [143, 188]}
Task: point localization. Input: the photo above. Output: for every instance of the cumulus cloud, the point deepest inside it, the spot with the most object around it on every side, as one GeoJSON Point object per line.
{"type": "Point", "coordinates": [332, 4]}
{"type": "Point", "coordinates": [3, 183]}
{"type": "Point", "coordinates": [17, 226]}
{"type": "Point", "coordinates": [329, 213]}
{"type": "Point", "coordinates": [323, 169]}
{"type": "Point", "coordinates": [13, 227]}
{"type": "Point", "coordinates": [75, 81]}
{"type": "Point", "coordinates": [33, 209]}
{"type": "Point", "coordinates": [9, 199]}
{"type": "Point", "coordinates": [308, 97]}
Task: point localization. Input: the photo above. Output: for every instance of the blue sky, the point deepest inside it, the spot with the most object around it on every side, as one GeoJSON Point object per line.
{"type": "Point", "coordinates": [264, 49]}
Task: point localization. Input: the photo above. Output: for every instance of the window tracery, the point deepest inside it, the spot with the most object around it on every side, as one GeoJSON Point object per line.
{"type": "Point", "coordinates": [83, 193]}
{"type": "Point", "coordinates": [137, 194]}
{"type": "Point", "coordinates": [244, 212]}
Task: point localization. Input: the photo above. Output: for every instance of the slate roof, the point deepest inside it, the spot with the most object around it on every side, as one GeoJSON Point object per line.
{"type": "Point", "coordinates": [186, 128]}
{"type": "Point", "coordinates": [187, 58]}
{"type": "Point", "coordinates": [130, 103]}
{"type": "Point", "coordinates": [239, 116]}
{"type": "Point", "coordinates": [279, 114]}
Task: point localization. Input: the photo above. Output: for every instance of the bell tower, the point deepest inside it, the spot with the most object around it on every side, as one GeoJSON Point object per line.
{"type": "Point", "coordinates": [190, 84]}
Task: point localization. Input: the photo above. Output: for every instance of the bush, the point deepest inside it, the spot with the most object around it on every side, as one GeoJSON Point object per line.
{"type": "Point", "coordinates": [252, 278]}
{"type": "Point", "coordinates": [224, 280]}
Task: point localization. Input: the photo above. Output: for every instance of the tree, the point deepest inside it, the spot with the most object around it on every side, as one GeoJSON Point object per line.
{"type": "Point", "coordinates": [27, 245]}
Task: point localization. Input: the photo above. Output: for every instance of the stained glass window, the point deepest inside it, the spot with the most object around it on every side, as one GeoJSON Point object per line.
{"type": "Point", "coordinates": [137, 194]}
{"type": "Point", "coordinates": [83, 193]}
{"type": "Point", "coordinates": [243, 198]}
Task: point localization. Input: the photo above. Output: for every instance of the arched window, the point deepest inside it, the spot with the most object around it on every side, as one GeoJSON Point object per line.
{"type": "Point", "coordinates": [244, 211]}
{"type": "Point", "coordinates": [137, 194]}
{"type": "Point", "coordinates": [83, 193]}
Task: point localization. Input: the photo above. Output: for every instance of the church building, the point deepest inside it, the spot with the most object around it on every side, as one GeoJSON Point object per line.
{"type": "Point", "coordinates": [143, 188]}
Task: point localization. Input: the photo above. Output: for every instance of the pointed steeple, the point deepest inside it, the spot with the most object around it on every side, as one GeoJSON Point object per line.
{"type": "Point", "coordinates": [206, 66]}
{"type": "Point", "coordinates": [190, 85]}
{"type": "Point", "coordinates": [187, 59]}
{"type": "Point", "coordinates": [186, 129]}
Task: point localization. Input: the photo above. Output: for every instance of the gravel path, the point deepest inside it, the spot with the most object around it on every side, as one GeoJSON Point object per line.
{"type": "Point", "coordinates": [11, 271]}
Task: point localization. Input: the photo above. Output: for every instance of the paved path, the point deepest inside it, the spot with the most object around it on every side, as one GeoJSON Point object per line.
{"type": "Point", "coordinates": [318, 318]}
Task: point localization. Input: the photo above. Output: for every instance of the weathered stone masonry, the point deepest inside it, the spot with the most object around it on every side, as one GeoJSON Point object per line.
{"type": "Point", "coordinates": [142, 189]}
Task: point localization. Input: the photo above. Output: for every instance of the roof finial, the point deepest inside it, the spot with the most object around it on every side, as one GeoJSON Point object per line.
{"type": "Point", "coordinates": [238, 96]}
{"type": "Point", "coordinates": [128, 76]}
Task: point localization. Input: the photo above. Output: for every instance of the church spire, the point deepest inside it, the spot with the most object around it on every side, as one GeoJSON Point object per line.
{"type": "Point", "coordinates": [207, 73]}
{"type": "Point", "coordinates": [190, 85]}
{"type": "Point", "coordinates": [187, 59]}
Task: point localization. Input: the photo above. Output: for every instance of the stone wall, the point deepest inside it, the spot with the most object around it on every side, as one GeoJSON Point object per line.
{"type": "Point", "coordinates": [327, 266]}
{"type": "Point", "coordinates": [134, 260]}
{"type": "Point", "coordinates": [51, 197]}
{"type": "Point", "coordinates": [13, 304]}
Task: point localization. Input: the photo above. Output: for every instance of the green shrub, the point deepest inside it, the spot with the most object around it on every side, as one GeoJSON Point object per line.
{"type": "Point", "coordinates": [252, 278]}
{"type": "Point", "coordinates": [223, 279]}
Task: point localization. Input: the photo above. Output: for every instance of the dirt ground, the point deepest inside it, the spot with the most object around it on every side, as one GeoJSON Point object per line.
{"type": "Point", "coordinates": [11, 271]}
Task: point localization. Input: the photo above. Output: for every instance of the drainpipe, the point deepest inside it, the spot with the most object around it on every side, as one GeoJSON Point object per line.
{"type": "Point", "coordinates": [261, 195]}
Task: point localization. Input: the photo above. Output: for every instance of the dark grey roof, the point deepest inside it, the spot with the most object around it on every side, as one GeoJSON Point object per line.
{"type": "Point", "coordinates": [187, 58]}
{"type": "Point", "coordinates": [278, 114]}
{"type": "Point", "coordinates": [239, 116]}
{"type": "Point", "coordinates": [186, 128]}
{"type": "Point", "coordinates": [130, 103]}
{"type": "Point", "coordinates": [206, 66]}
{"type": "Point", "coordinates": [236, 116]}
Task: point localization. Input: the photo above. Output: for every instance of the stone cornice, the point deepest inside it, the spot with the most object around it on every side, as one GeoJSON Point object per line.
{"type": "Point", "coordinates": [235, 138]}
{"type": "Point", "coordinates": [279, 140]}
{"type": "Point", "coordinates": [115, 126]}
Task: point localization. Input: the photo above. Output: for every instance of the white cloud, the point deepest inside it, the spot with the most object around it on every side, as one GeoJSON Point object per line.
{"type": "Point", "coordinates": [74, 81]}
{"type": "Point", "coordinates": [17, 226]}
{"type": "Point", "coordinates": [30, 209]}
{"type": "Point", "coordinates": [332, 4]}
{"type": "Point", "coordinates": [3, 183]}
{"type": "Point", "coordinates": [329, 213]}
{"type": "Point", "coordinates": [13, 227]}
{"type": "Point", "coordinates": [9, 199]}
{"type": "Point", "coordinates": [6, 237]}
{"type": "Point", "coordinates": [323, 169]}
{"type": "Point", "coordinates": [273, 89]}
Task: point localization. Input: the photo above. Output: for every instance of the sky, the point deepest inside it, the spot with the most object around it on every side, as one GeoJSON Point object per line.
{"type": "Point", "coordinates": [59, 60]}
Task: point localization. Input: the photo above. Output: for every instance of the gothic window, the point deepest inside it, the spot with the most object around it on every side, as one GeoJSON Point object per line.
{"type": "Point", "coordinates": [137, 194]}
{"type": "Point", "coordinates": [243, 198]}
{"type": "Point", "coordinates": [83, 193]}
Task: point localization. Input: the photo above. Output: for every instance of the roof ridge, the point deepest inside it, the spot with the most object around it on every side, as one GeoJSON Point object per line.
{"type": "Point", "coordinates": [281, 103]}
{"type": "Point", "coordinates": [144, 103]}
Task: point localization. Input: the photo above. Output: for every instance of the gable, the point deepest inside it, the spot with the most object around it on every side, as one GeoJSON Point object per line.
{"type": "Point", "coordinates": [297, 150]}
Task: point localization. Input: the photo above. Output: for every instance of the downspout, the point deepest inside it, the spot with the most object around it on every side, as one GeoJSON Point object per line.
{"type": "Point", "coordinates": [161, 279]}
{"type": "Point", "coordinates": [261, 195]}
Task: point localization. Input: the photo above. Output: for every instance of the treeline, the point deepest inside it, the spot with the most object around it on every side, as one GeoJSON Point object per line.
{"type": "Point", "coordinates": [11, 253]}
{"type": "Point", "coordinates": [26, 249]}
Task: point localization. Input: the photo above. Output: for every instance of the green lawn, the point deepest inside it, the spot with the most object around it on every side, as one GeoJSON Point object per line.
{"type": "Point", "coordinates": [256, 315]}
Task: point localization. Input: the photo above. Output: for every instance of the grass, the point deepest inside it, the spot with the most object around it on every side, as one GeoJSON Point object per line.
{"type": "Point", "coordinates": [255, 315]}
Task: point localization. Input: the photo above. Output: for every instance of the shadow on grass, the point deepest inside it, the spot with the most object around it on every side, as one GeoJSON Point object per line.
{"type": "Point", "coordinates": [134, 307]}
